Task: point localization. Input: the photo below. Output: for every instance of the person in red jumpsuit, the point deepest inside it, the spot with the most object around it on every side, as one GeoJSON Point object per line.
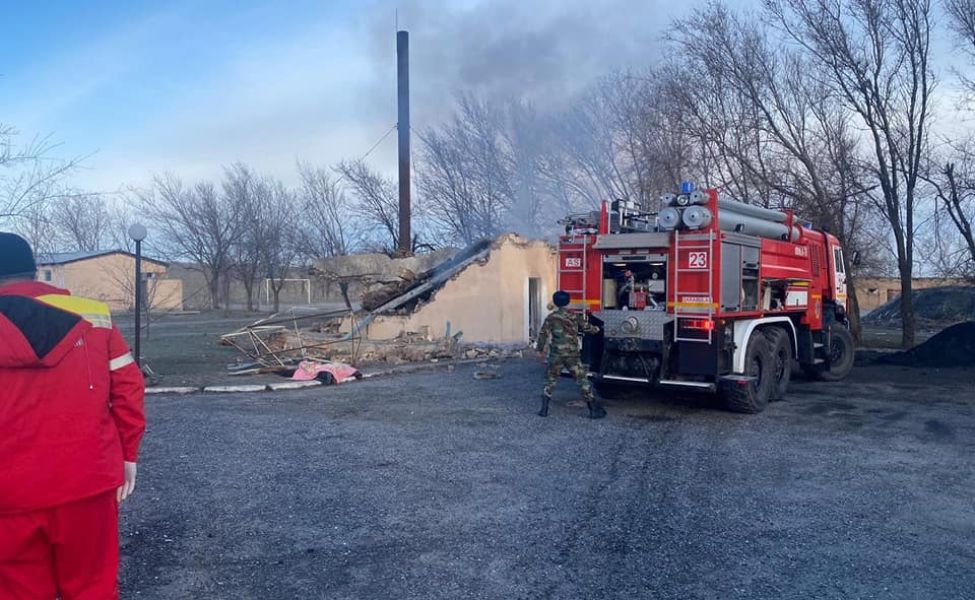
{"type": "Point", "coordinates": [71, 420]}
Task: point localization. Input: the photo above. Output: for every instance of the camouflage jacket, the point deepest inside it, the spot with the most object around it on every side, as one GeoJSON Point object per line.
{"type": "Point", "coordinates": [560, 333]}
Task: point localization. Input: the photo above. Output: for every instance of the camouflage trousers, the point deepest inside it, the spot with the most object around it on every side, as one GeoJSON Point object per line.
{"type": "Point", "coordinates": [573, 365]}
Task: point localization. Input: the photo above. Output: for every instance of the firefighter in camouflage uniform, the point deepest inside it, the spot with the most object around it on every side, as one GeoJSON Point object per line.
{"type": "Point", "coordinates": [558, 339]}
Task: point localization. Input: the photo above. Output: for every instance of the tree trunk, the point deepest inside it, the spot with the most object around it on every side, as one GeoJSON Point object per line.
{"type": "Point", "coordinates": [344, 288]}
{"type": "Point", "coordinates": [249, 291]}
{"type": "Point", "coordinates": [853, 308]}
{"type": "Point", "coordinates": [225, 290]}
{"type": "Point", "coordinates": [907, 306]}
{"type": "Point", "coordinates": [213, 283]}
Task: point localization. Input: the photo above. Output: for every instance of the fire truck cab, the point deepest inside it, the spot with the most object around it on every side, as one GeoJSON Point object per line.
{"type": "Point", "coordinates": [708, 294]}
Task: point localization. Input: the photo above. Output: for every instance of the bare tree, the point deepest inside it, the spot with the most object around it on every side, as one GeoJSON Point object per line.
{"type": "Point", "coordinates": [29, 175]}
{"type": "Point", "coordinates": [953, 238]}
{"type": "Point", "coordinates": [721, 122]}
{"type": "Point", "coordinates": [527, 139]}
{"type": "Point", "coordinates": [327, 228]}
{"type": "Point", "coordinates": [961, 21]}
{"type": "Point", "coordinates": [377, 199]}
{"type": "Point", "coordinates": [954, 178]}
{"type": "Point", "coordinates": [198, 224]}
{"type": "Point", "coordinates": [239, 190]}
{"type": "Point", "coordinates": [504, 166]}
{"type": "Point", "coordinates": [82, 220]}
{"type": "Point", "coordinates": [875, 54]}
{"type": "Point", "coordinates": [463, 173]}
{"type": "Point", "coordinates": [627, 137]}
{"type": "Point", "coordinates": [36, 226]}
{"type": "Point", "coordinates": [276, 232]}
{"type": "Point", "coordinates": [121, 216]}
{"type": "Point", "coordinates": [609, 136]}
{"type": "Point", "coordinates": [783, 136]}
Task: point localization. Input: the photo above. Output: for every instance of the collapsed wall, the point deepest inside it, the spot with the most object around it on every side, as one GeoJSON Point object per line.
{"type": "Point", "coordinates": [495, 295]}
{"type": "Point", "coordinates": [486, 300]}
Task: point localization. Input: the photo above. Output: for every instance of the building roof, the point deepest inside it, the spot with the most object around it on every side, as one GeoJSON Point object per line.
{"type": "Point", "coordinates": [63, 258]}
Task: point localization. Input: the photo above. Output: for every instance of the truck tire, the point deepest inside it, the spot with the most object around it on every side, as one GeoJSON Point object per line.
{"type": "Point", "coordinates": [752, 397]}
{"type": "Point", "coordinates": [841, 353]}
{"type": "Point", "coordinates": [781, 346]}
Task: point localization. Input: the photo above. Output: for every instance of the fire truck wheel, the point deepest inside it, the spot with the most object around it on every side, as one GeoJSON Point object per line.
{"type": "Point", "coordinates": [753, 397]}
{"type": "Point", "coordinates": [781, 346]}
{"type": "Point", "coordinates": [841, 353]}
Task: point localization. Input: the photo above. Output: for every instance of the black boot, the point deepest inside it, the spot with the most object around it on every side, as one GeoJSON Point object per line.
{"type": "Point", "coordinates": [596, 410]}
{"type": "Point", "coordinates": [544, 410]}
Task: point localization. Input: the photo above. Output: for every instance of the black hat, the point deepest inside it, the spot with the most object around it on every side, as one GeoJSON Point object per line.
{"type": "Point", "coordinates": [560, 298]}
{"type": "Point", "coordinates": [16, 258]}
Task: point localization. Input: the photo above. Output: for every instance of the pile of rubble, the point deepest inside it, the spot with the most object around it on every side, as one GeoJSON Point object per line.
{"type": "Point", "coordinates": [952, 347]}
{"type": "Point", "coordinates": [317, 337]}
{"type": "Point", "coordinates": [413, 347]}
{"type": "Point", "coordinates": [391, 292]}
{"type": "Point", "coordinates": [934, 306]}
{"type": "Point", "coordinates": [280, 344]}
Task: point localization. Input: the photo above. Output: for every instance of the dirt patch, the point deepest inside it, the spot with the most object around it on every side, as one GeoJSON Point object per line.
{"type": "Point", "coordinates": [953, 347]}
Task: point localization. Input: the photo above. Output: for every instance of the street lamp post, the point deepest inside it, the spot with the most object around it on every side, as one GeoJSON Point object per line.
{"type": "Point", "coordinates": [138, 233]}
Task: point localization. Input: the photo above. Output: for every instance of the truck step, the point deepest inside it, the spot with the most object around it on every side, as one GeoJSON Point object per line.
{"type": "Point", "coordinates": [624, 378]}
{"type": "Point", "coordinates": [698, 385]}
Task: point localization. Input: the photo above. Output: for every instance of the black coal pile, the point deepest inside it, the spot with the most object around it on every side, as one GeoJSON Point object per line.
{"type": "Point", "coordinates": [953, 347]}
{"type": "Point", "coordinates": [949, 304]}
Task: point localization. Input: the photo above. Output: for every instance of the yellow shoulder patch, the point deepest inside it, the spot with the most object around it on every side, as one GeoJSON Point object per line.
{"type": "Point", "coordinates": [93, 311]}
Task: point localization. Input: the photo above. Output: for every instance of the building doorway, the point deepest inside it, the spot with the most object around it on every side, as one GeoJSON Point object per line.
{"type": "Point", "coordinates": [534, 307]}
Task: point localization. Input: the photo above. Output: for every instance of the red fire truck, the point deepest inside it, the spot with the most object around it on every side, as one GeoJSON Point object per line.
{"type": "Point", "coordinates": [708, 294]}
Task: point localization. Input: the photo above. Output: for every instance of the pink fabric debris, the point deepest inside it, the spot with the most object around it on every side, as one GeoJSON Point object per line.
{"type": "Point", "coordinates": [309, 369]}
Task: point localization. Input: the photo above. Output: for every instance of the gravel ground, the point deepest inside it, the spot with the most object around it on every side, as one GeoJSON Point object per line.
{"type": "Point", "coordinates": [437, 485]}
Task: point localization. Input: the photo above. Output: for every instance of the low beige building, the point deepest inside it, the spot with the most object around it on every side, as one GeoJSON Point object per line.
{"type": "Point", "coordinates": [499, 295]}
{"type": "Point", "coordinates": [109, 276]}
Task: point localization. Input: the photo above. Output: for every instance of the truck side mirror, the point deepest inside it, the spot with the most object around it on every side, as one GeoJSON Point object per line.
{"type": "Point", "coordinates": [856, 258]}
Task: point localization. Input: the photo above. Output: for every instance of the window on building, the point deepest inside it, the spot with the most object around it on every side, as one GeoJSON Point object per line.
{"type": "Point", "coordinates": [46, 275]}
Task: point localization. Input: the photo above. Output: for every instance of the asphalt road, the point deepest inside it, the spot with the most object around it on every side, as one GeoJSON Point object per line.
{"type": "Point", "coordinates": [437, 485]}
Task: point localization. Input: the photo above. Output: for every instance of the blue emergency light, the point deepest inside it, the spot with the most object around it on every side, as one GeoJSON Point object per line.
{"type": "Point", "coordinates": [686, 187]}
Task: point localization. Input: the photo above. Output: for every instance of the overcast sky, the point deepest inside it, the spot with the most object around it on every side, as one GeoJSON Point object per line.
{"type": "Point", "coordinates": [185, 87]}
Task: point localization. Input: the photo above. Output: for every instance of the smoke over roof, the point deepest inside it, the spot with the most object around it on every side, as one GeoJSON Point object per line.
{"type": "Point", "coordinates": [543, 51]}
